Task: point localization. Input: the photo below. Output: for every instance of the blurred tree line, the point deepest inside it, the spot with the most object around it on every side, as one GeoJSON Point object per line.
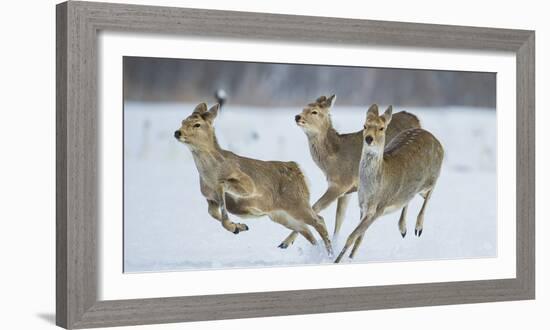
{"type": "Point", "coordinates": [267, 84]}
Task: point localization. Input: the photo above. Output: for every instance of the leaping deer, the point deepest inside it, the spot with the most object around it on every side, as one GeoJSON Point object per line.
{"type": "Point", "coordinates": [248, 187]}
{"type": "Point", "coordinates": [338, 154]}
{"type": "Point", "coordinates": [391, 175]}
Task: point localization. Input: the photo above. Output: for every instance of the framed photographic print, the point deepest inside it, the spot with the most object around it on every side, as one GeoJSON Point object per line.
{"type": "Point", "coordinates": [216, 165]}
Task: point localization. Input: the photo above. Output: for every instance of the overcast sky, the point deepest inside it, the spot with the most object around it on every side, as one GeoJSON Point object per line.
{"type": "Point", "coordinates": [266, 84]}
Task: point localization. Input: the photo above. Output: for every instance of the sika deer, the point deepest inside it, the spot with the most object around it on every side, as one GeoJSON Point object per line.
{"type": "Point", "coordinates": [338, 154]}
{"type": "Point", "coordinates": [245, 186]}
{"type": "Point", "coordinates": [390, 176]}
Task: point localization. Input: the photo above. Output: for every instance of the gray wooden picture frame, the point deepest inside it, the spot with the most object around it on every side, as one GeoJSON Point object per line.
{"type": "Point", "coordinates": [78, 24]}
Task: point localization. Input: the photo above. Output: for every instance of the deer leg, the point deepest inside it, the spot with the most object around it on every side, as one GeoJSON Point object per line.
{"type": "Point", "coordinates": [321, 228]}
{"type": "Point", "coordinates": [309, 217]}
{"type": "Point", "coordinates": [214, 210]}
{"type": "Point", "coordinates": [308, 235]}
{"type": "Point", "coordinates": [340, 213]}
{"type": "Point", "coordinates": [289, 240]}
{"type": "Point", "coordinates": [356, 246]}
{"type": "Point", "coordinates": [328, 197]}
{"type": "Point", "coordinates": [229, 225]}
{"type": "Point", "coordinates": [296, 227]}
{"type": "Point", "coordinates": [403, 221]}
{"type": "Point", "coordinates": [420, 220]}
{"type": "Point", "coordinates": [359, 231]}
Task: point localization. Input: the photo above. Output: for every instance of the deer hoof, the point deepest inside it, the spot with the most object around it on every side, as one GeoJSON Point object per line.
{"type": "Point", "coordinates": [418, 232]}
{"type": "Point", "coordinates": [282, 246]}
{"type": "Point", "coordinates": [240, 227]}
{"type": "Point", "coordinates": [404, 234]}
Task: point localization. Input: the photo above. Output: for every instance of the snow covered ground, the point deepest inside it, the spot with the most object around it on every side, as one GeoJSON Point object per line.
{"type": "Point", "coordinates": [167, 226]}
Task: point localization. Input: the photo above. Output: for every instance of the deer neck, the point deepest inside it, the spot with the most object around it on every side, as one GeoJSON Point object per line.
{"type": "Point", "coordinates": [372, 166]}
{"type": "Point", "coordinates": [322, 144]}
{"type": "Point", "coordinates": [208, 156]}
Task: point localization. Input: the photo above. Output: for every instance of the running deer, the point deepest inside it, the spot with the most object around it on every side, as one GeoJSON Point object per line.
{"type": "Point", "coordinates": [338, 154]}
{"type": "Point", "coordinates": [248, 187]}
{"type": "Point", "coordinates": [390, 176]}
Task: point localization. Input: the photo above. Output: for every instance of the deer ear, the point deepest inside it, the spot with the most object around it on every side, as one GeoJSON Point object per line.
{"type": "Point", "coordinates": [387, 115]}
{"type": "Point", "coordinates": [372, 113]}
{"type": "Point", "coordinates": [330, 101]}
{"type": "Point", "coordinates": [321, 99]}
{"type": "Point", "coordinates": [211, 114]}
{"type": "Point", "coordinates": [200, 108]}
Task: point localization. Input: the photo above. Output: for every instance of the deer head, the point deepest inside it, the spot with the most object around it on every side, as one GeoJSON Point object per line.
{"type": "Point", "coordinates": [374, 130]}
{"type": "Point", "coordinates": [315, 117]}
{"type": "Point", "coordinates": [197, 130]}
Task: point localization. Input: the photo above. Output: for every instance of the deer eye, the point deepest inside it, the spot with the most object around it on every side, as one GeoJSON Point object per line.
{"type": "Point", "coordinates": [197, 125]}
{"type": "Point", "coordinates": [381, 129]}
{"type": "Point", "coordinates": [314, 112]}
